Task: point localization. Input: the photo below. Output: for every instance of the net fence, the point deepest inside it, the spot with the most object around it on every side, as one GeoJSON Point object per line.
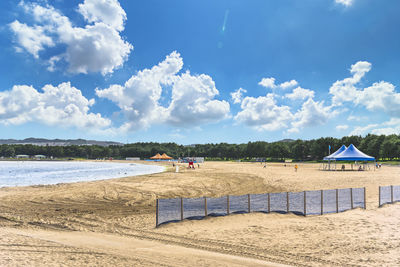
{"type": "Point", "coordinates": [389, 194]}
{"type": "Point", "coordinates": [300, 203]}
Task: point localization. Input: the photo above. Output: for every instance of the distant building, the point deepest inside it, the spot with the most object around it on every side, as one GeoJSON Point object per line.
{"type": "Point", "coordinates": [132, 158]}
{"type": "Point", "coordinates": [39, 156]}
{"type": "Point", "coordinates": [22, 156]}
{"type": "Point", "coordinates": [194, 159]}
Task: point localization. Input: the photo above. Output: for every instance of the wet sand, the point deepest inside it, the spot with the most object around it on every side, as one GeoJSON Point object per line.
{"type": "Point", "coordinates": [40, 225]}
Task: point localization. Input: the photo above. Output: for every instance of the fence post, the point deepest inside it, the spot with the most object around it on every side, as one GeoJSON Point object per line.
{"type": "Point", "coordinates": [379, 196]}
{"type": "Point", "coordinates": [351, 198]}
{"type": "Point", "coordinates": [205, 207]}
{"type": "Point", "coordinates": [287, 202]}
{"type": "Point", "coordinates": [248, 202]}
{"type": "Point", "coordinates": [337, 200]}
{"type": "Point", "coordinates": [227, 204]}
{"type": "Point", "coordinates": [269, 203]}
{"type": "Point", "coordinates": [365, 198]}
{"type": "Point", "coordinates": [391, 193]}
{"type": "Point", "coordinates": [305, 204]}
{"type": "Point", "coordinates": [181, 209]}
{"type": "Point", "coordinates": [157, 212]}
{"type": "Point", "coordinates": [322, 202]}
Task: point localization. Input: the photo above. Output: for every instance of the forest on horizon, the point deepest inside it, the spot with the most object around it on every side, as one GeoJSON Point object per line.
{"type": "Point", "coordinates": [382, 147]}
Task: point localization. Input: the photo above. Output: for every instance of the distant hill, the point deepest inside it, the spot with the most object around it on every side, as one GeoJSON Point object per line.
{"type": "Point", "coordinates": [58, 142]}
{"type": "Point", "coordinates": [286, 140]}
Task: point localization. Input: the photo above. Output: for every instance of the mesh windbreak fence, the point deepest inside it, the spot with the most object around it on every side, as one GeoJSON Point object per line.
{"type": "Point", "coordinates": [396, 193]}
{"type": "Point", "coordinates": [358, 197]}
{"type": "Point", "coordinates": [169, 210]}
{"type": "Point", "coordinates": [385, 194]}
{"type": "Point", "coordinates": [278, 202]}
{"type": "Point", "coordinates": [313, 202]}
{"type": "Point", "coordinates": [259, 202]}
{"type": "Point", "coordinates": [329, 201]}
{"type": "Point", "coordinates": [193, 208]}
{"type": "Point", "coordinates": [344, 199]}
{"type": "Point", "coordinates": [296, 203]}
{"type": "Point", "coordinates": [217, 206]}
{"type": "Point", "coordinates": [238, 204]}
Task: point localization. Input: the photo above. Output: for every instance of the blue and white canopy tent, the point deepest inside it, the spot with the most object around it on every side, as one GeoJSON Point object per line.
{"type": "Point", "coordinates": [350, 153]}
{"type": "Point", "coordinates": [327, 166]}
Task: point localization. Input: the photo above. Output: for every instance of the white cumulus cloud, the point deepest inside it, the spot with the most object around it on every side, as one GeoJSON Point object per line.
{"type": "Point", "coordinates": [361, 130]}
{"type": "Point", "coordinates": [312, 113]}
{"type": "Point", "coordinates": [238, 95]}
{"type": "Point", "coordinates": [263, 113]}
{"type": "Point", "coordinates": [33, 39]}
{"type": "Point", "coordinates": [268, 83]}
{"type": "Point", "coordinates": [62, 105]}
{"type": "Point", "coordinates": [192, 97]}
{"type": "Point", "coordinates": [380, 96]}
{"type": "Point", "coordinates": [391, 126]}
{"type": "Point", "coordinates": [288, 84]}
{"type": "Point", "coordinates": [300, 93]}
{"type": "Point", "coordinates": [342, 127]}
{"type": "Point", "coordinates": [97, 47]}
{"type": "Point", "coordinates": [193, 101]}
{"type": "Point", "coordinates": [109, 12]}
{"type": "Point", "coordinates": [345, 2]}
{"type": "Point", "coordinates": [345, 90]}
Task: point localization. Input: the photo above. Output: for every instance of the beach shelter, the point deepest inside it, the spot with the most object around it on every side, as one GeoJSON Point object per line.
{"type": "Point", "coordinates": [157, 156]}
{"type": "Point", "coordinates": [165, 156]}
{"type": "Point", "coordinates": [331, 157]}
{"type": "Point", "coordinates": [352, 153]}
{"type": "Point", "coordinates": [340, 150]}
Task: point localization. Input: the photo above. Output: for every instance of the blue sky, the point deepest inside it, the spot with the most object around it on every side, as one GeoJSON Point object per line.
{"type": "Point", "coordinates": [199, 71]}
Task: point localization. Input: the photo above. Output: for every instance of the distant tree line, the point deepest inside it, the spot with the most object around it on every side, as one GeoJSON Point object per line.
{"type": "Point", "coordinates": [378, 146]}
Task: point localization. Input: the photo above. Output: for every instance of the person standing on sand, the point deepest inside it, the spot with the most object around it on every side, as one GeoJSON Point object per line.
{"type": "Point", "coordinates": [296, 167]}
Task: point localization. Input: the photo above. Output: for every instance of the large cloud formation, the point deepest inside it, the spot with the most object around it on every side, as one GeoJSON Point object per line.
{"type": "Point", "coordinates": [192, 97]}
{"type": "Point", "coordinates": [97, 47]}
{"type": "Point", "coordinates": [62, 105]}
{"type": "Point", "coordinates": [380, 96]}
{"type": "Point", "coordinates": [264, 113]}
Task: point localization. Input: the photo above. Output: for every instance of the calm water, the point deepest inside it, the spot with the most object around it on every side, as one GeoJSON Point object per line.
{"type": "Point", "coordinates": [23, 173]}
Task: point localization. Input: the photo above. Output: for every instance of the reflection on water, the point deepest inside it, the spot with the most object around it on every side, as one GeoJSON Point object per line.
{"type": "Point", "coordinates": [22, 173]}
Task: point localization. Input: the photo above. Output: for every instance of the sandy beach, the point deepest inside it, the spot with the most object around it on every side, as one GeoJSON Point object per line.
{"type": "Point", "coordinates": [112, 222]}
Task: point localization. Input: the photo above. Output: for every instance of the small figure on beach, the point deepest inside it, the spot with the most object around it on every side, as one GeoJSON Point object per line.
{"type": "Point", "coordinates": [343, 167]}
{"type": "Point", "coordinates": [198, 165]}
{"type": "Point", "coordinates": [191, 165]}
{"type": "Point", "coordinates": [296, 167]}
{"type": "Point", "coordinates": [265, 165]}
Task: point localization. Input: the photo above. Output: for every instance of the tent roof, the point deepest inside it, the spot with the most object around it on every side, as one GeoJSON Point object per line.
{"type": "Point", "coordinates": [165, 156]}
{"type": "Point", "coordinates": [352, 153]}
{"type": "Point", "coordinates": [157, 156]}
{"type": "Point", "coordinates": [340, 150]}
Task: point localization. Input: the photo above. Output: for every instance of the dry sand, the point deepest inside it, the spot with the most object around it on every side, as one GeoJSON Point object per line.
{"type": "Point", "coordinates": [111, 222]}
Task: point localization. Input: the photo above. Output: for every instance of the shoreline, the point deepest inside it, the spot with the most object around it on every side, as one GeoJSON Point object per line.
{"type": "Point", "coordinates": [64, 180]}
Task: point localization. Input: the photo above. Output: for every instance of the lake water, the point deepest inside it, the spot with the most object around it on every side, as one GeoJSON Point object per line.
{"type": "Point", "coordinates": [23, 173]}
